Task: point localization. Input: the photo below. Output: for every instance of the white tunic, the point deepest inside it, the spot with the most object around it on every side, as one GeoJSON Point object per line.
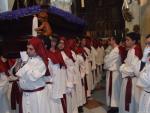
{"type": "Point", "coordinates": [82, 73]}
{"type": "Point", "coordinates": [99, 62]}
{"type": "Point", "coordinates": [144, 82]}
{"type": "Point", "coordinates": [107, 50]}
{"type": "Point", "coordinates": [79, 86]}
{"type": "Point", "coordinates": [54, 88]}
{"type": "Point", "coordinates": [12, 78]}
{"type": "Point", "coordinates": [94, 67]}
{"type": "Point", "coordinates": [55, 79]}
{"type": "Point", "coordinates": [31, 77]}
{"type": "Point", "coordinates": [112, 62]}
{"type": "Point", "coordinates": [71, 84]}
{"type": "Point", "coordinates": [89, 76]}
{"type": "Point", "coordinates": [93, 54]}
{"type": "Point", "coordinates": [129, 69]}
{"type": "Point", "coordinates": [100, 56]}
{"type": "Point", "coordinates": [4, 105]}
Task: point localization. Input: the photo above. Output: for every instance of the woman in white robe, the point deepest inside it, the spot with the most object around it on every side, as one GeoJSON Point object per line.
{"type": "Point", "coordinates": [71, 79]}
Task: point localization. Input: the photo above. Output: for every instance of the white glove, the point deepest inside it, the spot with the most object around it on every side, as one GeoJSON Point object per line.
{"type": "Point", "coordinates": [145, 54]}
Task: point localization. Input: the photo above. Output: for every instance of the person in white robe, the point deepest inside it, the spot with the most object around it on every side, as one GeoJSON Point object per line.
{"type": "Point", "coordinates": [71, 81]}
{"type": "Point", "coordinates": [94, 54]}
{"type": "Point", "coordinates": [112, 63]}
{"type": "Point", "coordinates": [109, 48]}
{"type": "Point", "coordinates": [53, 84]}
{"type": "Point", "coordinates": [144, 78]}
{"type": "Point", "coordinates": [79, 87]}
{"type": "Point", "coordinates": [100, 60]}
{"type": "Point", "coordinates": [82, 70]}
{"type": "Point", "coordinates": [13, 87]}
{"type": "Point", "coordinates": [129, 97]}
{"type": "Point", "coordinates": [81, 62]}
{"type": "Point", "coordinates": [4, 105]}
{"type": "Point", "coordinates": [31, 78]}
{"type": "Point", "coordinates": [88, 63]}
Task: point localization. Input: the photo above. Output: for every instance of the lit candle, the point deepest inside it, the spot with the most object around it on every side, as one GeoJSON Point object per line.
{"type": "Point", "coordinates": [122, 35]}
{"type": "Point", "coordinates": [115, 32]}
{"type": "Point", "coordinates": [82, 3]}
{"type": "Point", "coordinates": [126, 4]}
{"type": "Point", "coordinates": [34, 25]}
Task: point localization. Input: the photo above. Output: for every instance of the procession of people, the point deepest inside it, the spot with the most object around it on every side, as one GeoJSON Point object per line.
{"type": "Point", "coordinates": [58, 74]}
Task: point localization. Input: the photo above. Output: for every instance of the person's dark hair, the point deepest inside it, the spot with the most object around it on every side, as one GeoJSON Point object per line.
{"type": "Point", "coordinates": [47, 42]}
{"type": "Point", "coordinates": [148, 36]}
{"type": "Point", "coordinates": [134, 36]}
{"type": "Point", "coordinates": [55, 38]}
{"type": "Point", "coordinates": [117, 39]}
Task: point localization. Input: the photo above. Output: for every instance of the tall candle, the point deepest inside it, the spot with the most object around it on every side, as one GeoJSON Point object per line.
{"type": "Point", "coordinates": [82, 3]}
{"type": "Point", "coordinates": [126, 4]}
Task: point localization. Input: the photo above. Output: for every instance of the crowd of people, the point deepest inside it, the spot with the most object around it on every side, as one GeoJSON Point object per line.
{"type": "Point", "coordinates": [54, 75]}
{"type": "Point", "coordinates": [58, 75]}
{"type": "Point", "coordinates": [127, 75]}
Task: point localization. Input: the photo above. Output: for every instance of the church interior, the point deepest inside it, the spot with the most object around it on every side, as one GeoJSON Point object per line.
{"type": "Point", "coordinates": [96, 21]}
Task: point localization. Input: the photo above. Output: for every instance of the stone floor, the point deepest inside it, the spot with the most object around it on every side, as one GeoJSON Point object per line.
{"type": "Point", "coordinates": [97, 104]}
